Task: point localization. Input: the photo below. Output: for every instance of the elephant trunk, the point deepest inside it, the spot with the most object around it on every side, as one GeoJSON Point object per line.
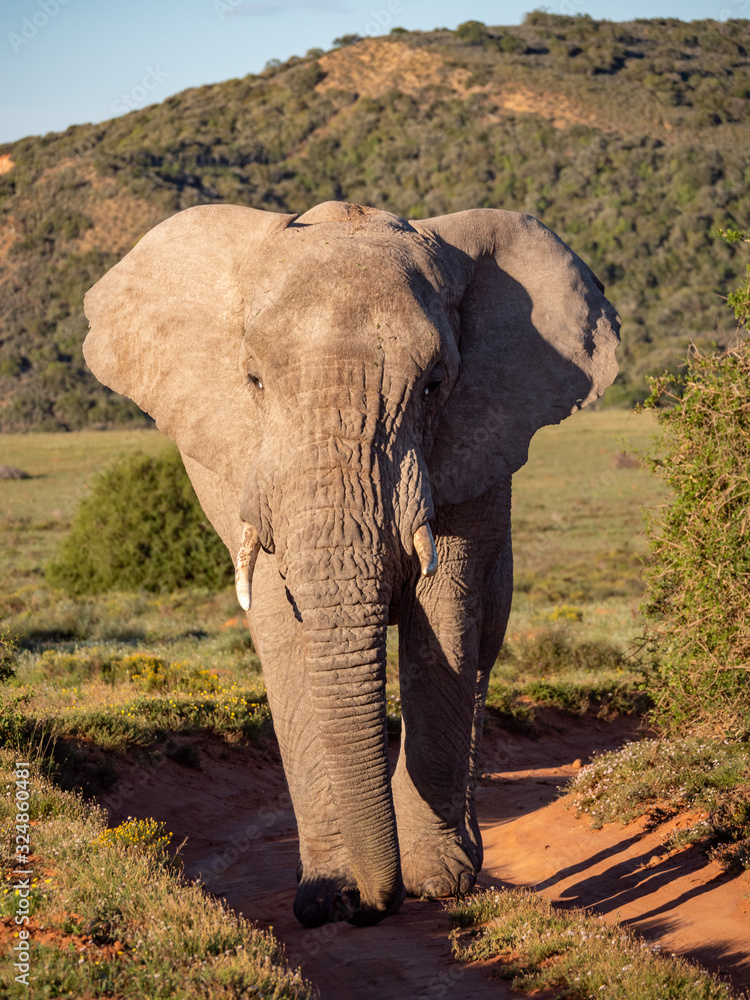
{"type": "Point", "coordinates": [339, 580]}
{"type": "Point", "coordinates": [344, 648]}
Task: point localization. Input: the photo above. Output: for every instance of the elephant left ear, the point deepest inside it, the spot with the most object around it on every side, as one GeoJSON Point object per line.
{"type": "Point", "coordinates": [167, 322]}
{"type": "Point", "coordinates": [166, 326]}
{"type": "Point", "coordinates": [536, 339]}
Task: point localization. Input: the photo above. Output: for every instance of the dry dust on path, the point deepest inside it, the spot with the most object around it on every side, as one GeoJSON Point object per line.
{"type": "Point", "coordinates": [677, 899]}
{"type": "Point", "coordinates": [241, 840]}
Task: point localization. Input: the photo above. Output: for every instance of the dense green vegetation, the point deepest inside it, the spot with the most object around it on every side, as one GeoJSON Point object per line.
{"type": "Point", "coordinates": [630, 140]}
{"type": "Point", "coordinates": [696, 633]}
{"type": "Point", "coordinates": [141, 528]}
{"type": "Point", "coordinates": [697, 577]}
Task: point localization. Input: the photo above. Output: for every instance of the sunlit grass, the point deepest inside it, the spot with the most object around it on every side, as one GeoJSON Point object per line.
{"type": "Point", "coordinates": [119, 700]}
{"type": "Point", "coordinates": [117, 918]}
{"type": "Point", "coordinates": [662, 778]}
{"type": "Point", "coordinates": [571, 954]}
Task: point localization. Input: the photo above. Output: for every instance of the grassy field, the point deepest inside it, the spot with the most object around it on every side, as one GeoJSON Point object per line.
{"type": "Point", "coordinates": [578, 528]}
{"type": "Point", "coordinates": [35, 512]}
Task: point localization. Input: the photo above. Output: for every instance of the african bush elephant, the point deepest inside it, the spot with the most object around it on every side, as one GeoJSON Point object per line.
{"type": "Point", "coordinates": [351, 394]}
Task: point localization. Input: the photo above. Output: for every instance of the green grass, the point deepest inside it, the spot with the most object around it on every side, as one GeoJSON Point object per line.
{"type": "Point", "coordinates": [81, 703]}
{"type": "Point", "coordinates": [659, 779]}
{"type": "Point", "coordinates": [35, 513]}
{"type": "Point", "coordinates": [578, 532]}
{"type": "Point", "coordinates": [146, 932]}
{"type": "Point", "coordinates": [572, 954]}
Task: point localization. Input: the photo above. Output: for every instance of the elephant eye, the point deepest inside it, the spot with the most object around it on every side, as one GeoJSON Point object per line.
{"type": "Point", "coordinates": [255, 380]}
{"type": "Point", "coordinates": [436, 380]}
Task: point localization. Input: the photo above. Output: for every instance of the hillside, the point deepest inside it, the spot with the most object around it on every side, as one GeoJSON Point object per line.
{"type": "Point", "coordinates": [631, 140]}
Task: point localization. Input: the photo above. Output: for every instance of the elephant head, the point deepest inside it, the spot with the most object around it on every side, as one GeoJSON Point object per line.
{"type": "Point", "coordinates": [333, 380]}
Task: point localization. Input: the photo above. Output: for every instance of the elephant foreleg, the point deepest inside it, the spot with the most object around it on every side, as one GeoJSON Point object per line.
{"type": "Point", "coordinates": [449, 638]}
{"type": "Point", "coordinates": [328, 889]}
{"type": "Point", "coordinates": [496, 611]}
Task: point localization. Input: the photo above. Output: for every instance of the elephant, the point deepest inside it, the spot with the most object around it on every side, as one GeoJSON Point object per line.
{"type": "Point", "coordinates": [351, 393]}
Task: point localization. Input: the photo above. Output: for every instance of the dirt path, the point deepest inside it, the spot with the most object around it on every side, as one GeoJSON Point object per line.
{"type": "Point", "coordinates": [241, 834]}
{"type": "Point", "coordinates": [677, 899]}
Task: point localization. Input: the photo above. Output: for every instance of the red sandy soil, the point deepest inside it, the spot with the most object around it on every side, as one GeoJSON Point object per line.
{"type": "Point", "coordinates": [241, 839]}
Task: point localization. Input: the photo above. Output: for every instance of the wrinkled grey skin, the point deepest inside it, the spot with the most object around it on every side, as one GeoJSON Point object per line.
{"type": "Point", "coordinates": [337, 381]}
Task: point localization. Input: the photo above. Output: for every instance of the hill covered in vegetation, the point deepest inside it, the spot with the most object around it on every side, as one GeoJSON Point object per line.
{"type": "Point", "coordinates": [631, 140]}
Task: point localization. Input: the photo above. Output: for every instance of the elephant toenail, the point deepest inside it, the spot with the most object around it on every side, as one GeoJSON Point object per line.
{"type": "Point", "coordinates": [466, 882]}
{"type": "Point", "coordinates": [435, 888]}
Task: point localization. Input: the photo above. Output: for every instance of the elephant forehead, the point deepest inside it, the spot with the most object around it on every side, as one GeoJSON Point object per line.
{"type": "Point", "coordinates": [344, 297]}
{"type": "Point", "coordinates": [350, 259]}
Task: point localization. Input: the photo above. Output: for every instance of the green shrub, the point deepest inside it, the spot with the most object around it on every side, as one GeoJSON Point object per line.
{"type": "Point", "coordinates": [509, 43]}
{"type": "Point", "coordinates": [136, 833]}
{"type": "Point", "coordinates": [739, 299]}
{"type": "Point", "coordinates": [153, 673]}
{"type": "Point", "coordinates": [141, 527]}
{"type": "Point", "coordinates": [554, 650]}
{"type": "Point", "coordinates": [7, 655]}
{"type": "Point", "coordinates": [473, 32]}
{"type": "Point", "coordinates": [697, 579]}
{"type": "Point", "coordinates": [345, 40]}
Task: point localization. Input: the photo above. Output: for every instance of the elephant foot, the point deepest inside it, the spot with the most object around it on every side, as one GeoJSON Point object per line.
{"type": "Point", "coordinates": [328, 899]}
{"type": "Point", "coordinates": [321, 901]}
{"type": "Point", "coordinates": [439, 868]}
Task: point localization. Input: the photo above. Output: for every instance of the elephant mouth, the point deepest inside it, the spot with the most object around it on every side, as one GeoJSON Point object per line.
{"type": "Point", "coordinates": [423, 541]}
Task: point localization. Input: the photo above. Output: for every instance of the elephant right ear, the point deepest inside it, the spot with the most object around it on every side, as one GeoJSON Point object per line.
{"type": "Point", "coordinates": [536, 339]}
{"type": "Point", "coordinates": [166, 327]}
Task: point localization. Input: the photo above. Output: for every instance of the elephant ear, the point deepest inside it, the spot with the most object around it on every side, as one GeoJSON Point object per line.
{"type": "Point", "coordinates": [536, 338]}
{"type": "Point", "coordinates": [166, 328]}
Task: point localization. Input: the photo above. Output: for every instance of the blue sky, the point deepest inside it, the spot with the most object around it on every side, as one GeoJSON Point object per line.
{"type": "Point", "coordinates": [64, 62]}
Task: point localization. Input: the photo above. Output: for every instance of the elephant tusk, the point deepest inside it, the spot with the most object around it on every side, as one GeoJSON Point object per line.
{"type": "Point", "coordinates": [243, 568]}
{"type": "Point", "coordinates": [424, 544]}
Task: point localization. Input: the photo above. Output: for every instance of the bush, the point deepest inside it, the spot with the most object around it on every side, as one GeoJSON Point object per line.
{"type": "Point", "coordinates": [8, 646]}
{"type": "Point", "coordinates": [697, 581]}
{"type": "Point", "coordinates": [138, 834]}
{"type": "Point", "coordinates": [473, 32]}
{"type": "Point", "coordinates": [553, 651]}
{"type": "Point", "coordinates": [141, 528]}
{"type": "Point", "coordinates": [344, 40]}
